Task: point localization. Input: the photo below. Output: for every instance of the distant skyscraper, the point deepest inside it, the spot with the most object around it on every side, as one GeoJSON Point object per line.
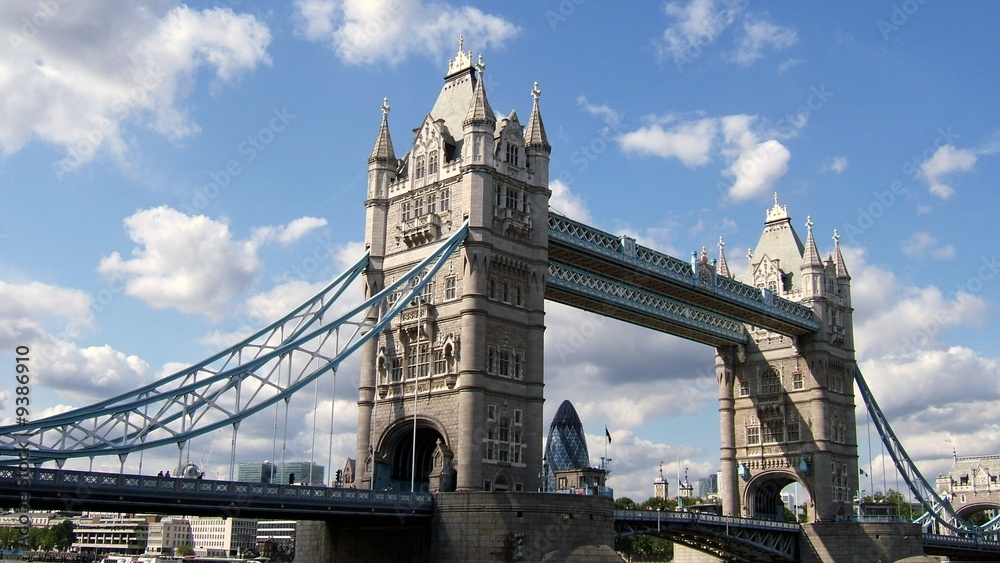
{"type": "Point", "coordinates": [255, 472]}
{"type": "Point", "coordinates": [302, 472]}
{"type": "Point", "coordinates": [566, 447]}
{"type": "Point", "coordinates": [708, 485]}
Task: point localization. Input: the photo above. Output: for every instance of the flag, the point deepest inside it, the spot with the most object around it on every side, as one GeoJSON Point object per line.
{"type": "Point", "coordinates": [608, 434]}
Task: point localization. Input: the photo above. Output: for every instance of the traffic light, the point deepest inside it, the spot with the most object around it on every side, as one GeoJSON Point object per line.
{"type": "Point", "coordinates": [291, 478]}
{"type": "Point", "coordinates": [337, 482]}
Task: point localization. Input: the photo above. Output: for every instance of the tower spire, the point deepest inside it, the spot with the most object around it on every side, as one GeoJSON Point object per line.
{"type": "Point", "coordinates": [534, 134]}
{"type": "Point", "coordinates": [811, 257]}
{"type": "Point", "coordinates": [723, 268]}
{"type": "Point", "coordinates": [382, 151]}
{"type": "Point", "coordinates": [838, 258]}
{"type": "Point", "coordinates": [480, 111]}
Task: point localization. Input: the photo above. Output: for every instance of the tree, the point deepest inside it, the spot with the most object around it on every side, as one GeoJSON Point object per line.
{"type": "Point", "coordinates": [183, 550]}
{"type": "Point", "coordinates": [624, 503]}
{"type": "Point", "coordinates": [61, 536]}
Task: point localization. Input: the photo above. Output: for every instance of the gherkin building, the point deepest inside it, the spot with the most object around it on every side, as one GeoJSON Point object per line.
{"type": "Point", "coordinates": [566, 447]}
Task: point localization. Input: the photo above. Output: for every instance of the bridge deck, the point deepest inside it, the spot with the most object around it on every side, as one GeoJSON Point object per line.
{"type": "Point", "coordinates": [52, 489]}
{"type": "Point", "coordinates": [592, 250]}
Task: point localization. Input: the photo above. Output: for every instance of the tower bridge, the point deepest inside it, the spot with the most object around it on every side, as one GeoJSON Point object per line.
{"type": "Point", "coordinates": [462, 252]}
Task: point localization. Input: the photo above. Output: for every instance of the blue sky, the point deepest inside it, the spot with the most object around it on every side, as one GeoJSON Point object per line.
{"type": "Point", "coordinates": [173, 173]}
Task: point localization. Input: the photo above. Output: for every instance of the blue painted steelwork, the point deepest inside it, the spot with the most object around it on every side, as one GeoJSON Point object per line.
{"type": "Point", "coordinates": [695, 322]}
{"type": "Point", "coordinates": [939, 510]}
{"type": "Point", "coordinates": [757, 306]}
{"type": "Point", "coordinates": [727, 537]}
{"type": "Point", "coordinates": [206, 396]}
{"type": "Point", "coordinates": [52, 489]}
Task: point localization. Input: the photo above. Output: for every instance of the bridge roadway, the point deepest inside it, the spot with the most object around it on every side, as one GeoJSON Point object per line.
{"type": "Point", "coordinates": [730, 538]}
{"type": "Point", "coordinates": [56, 489]}
{"type": "Point", "coordinates": [611, 275]}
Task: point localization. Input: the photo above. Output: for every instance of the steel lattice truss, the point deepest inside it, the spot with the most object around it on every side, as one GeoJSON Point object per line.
{"type": "Point", "coordinates": [222, 390]}
{"type": "Point", "coordinates": [725, 537]}
{"type": "Point", "coordinates": [939, 510]}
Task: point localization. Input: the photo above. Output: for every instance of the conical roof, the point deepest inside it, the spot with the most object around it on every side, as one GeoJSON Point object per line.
{"type": "Point", "coordinates": [534, 133]}
{"type": "Point", "coordinates": [382, 151]}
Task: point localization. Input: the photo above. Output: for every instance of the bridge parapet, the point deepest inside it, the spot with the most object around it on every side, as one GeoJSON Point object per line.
{"type": "Point", "coordinates": [795, 318]}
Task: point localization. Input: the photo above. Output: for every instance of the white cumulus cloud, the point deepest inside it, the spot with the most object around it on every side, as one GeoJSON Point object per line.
{"type": "Point", "coordinates": [695, 25]}
{"type": "Point", "coordinates": [945, 160]}
{"type": "Point", "coordinates": [95, 68]}
{"type": "Point", "coordinates": [760, 34]}
{"type": "Point", "coordinates": [688, 141]}
{"type": "Point", "coordinates": [366, 32]}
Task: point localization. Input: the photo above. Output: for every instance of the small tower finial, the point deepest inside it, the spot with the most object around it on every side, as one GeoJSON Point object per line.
{"type": "Point", "coordinates": [809, 224]}
{"type": "Point", "coordinates": [775, 199]}
{"type": "Point", "coordinates": [722, 244]}
{"type": "Point", "coordinates": [535, 92]}
{"type": "Point", "coordinates": [836, 238]}
{"type": "Point", "coordinates": [385, 106]}
{"type": "Point", "coordinates": [750, 255]}
{"type": "Point", "coordinates": [480, 65]}
{"type": "Point", "coordinates": [461, 43]}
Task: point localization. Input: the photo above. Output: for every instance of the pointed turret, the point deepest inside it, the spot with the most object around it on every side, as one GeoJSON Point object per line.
{"type": "Point", "coordinates": [723, 268]}
{"type": "Point", "coordinates": [838, 258]}
{"type": "Point", "coordinates": [480, 112]}
{"type": "Point", "coordinates": [812, 267]}
{"type": "Point", "coordinates": [382, 151]}
{"type": "Point", "coordinates": [534, 133]}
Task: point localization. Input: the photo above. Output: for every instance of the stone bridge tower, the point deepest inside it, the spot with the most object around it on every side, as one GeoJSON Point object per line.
{"type": "Point", "coordinates": [450, 395]}
{"type": "Point", "coordinates": [787, 404]}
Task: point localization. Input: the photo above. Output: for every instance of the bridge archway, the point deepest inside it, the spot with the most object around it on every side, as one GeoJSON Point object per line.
{"type": "Point", "coordinates": [968, 512]}
{"type": "Point", "coordinates": [396, 450]}
{"type": "Point", "coordinates": [762, 496]}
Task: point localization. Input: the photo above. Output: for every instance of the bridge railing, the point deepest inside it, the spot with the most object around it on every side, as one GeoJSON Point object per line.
{"type": "Point", "coordinates": [625, 250]}
{"type": "Point", "coordinates": [667, 516]}
{"type": "Point", "coordinates": [126, 484]}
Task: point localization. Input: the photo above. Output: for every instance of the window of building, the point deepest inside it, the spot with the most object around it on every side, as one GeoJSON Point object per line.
{"type": "Point", "coordinates": [517, 417]}
{"type": "Point", "coordinates": [406, 211]}
{"type": "Point", "coordinates": [417, 361]}
{"type": "Point", "coordinates": [773, 431]}
{"type": "Point", "coordinates": [798, 381]}
{"type": "Point", "coordinates": [418, 208]}
{"type": "Point", "coordinates": [753, 435]}
{"type": "Point", "coordinates": [493, 288]}
{"type": "Point", "coordinates": [491, 357]}
{"type": "Point", "coordinates": [506, 291]}
{"type": "Point", "coordinates": [744, 388]}
{"type": "Point", "coordinates": [440, 363]}
{"type": "Point", "coordinates": [503, 363]}
{"type": "Point", "coordinates": [513, 154]}
{"type": "Point", "coordinates": [432, 203]}
{"type": "Point", "coordinates": [491, 412]}
{"type": "Point", "coordinates": [450, 288]}
{"type": "Point", "coordinates": [498, 200]}
{"type": "Point", "coordinates": [432, 163]}
{"type": "Point", "coordinates": [793, 428]}
{"type": "Point", "coordinates": [513, 197]}
{"type": "Point", "coordinates": [420, 168]}
{"type": "Point", "coordinates": [397, 369]}
{"type": "Point", "coordinates": [518, 295]}
{"type": "Point", "coordinates": [770, 382]}
{"type": "Point", "coordinates": [518, 365]}
{"type": "Point", "coordinates": [445, 199]}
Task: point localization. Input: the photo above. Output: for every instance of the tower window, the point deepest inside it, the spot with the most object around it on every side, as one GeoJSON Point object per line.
{"type": "Point", "coordinates": [432, 166]}
{"type": "Point", "coordinates": [513, 154]}
{"type": "Point", "coordinates": [432, 203]}
{"type": "Point", "coordinates": [406, 211]}
{"type": "Point", "coordinates": [770, 382]}
{"type": "Point", "coordinates": [420, 168]}
{"type": "Point", "coordinates": [450, 289]}
{"type": "Point", "coordinates": [753, 435]}
{"type": "Point", "coordinates": [798, 382]}
{"type": "Point", "coordinates": [445, 199]}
